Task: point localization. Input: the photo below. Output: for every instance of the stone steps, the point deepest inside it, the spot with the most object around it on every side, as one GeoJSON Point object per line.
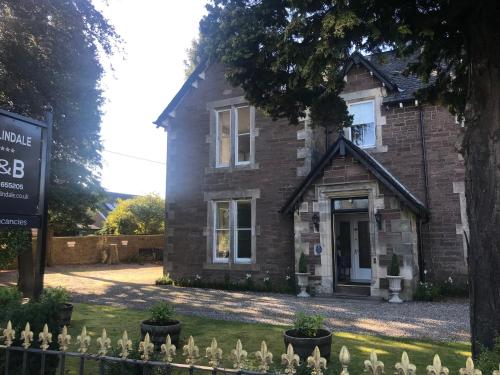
{"type": "Point", "coordinates": [352, 290]}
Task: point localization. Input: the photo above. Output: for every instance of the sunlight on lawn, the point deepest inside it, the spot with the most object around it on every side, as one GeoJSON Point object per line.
{"type": "Point", "coordinates": [389, 349]}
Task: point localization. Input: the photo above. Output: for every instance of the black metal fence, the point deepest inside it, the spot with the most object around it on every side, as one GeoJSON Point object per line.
{"type": "Point", "coordinates": [19, 356]}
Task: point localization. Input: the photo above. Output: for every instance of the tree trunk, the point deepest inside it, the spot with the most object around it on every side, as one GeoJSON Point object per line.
{"type": "Point", "coordinates": [25, 270]}
{"type": "Point", "coordinates": [482, 183]}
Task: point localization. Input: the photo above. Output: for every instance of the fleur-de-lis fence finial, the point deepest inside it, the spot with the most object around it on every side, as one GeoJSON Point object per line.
{"type": "Point", "coordinates": [345, 359]}
{"type": "Point", "coordinates": [437, 368]}
{"type": "Point", "coordinates": [239, 356]}
{"type": "Point", "coordinates": [264, 356]}
{"type": "Point", "coordinates": [214, 354]}
{"type": "Point", "coordinates": [469, 368]}
{"type": "Point", "coordinates": [45, 338]}
{"type": "Point", "coordinates": [125, 345]}
{"type": "Point", "coordinates": [405, 367]}
{"type": "Point", "coordinates": [27, 336]}
{"type": "Point", "coordinates": [146, 347]}
{"type": "Point", "coordinates": [104, 343]}
{"type": "Point", "coordinates": [373, 366]}
{"type": "Point", "coordinates": [9, 334]}
{"type": "Point", "coordinates": [168, 350]}
{"type": "Point", "coordinates": [83, 340]}
{"type": "Point", "coordinates": [64, 339]}
{"type": "Point", "coordinates": [191, 351]}
{"type": "Point", "coordinates": [316, 362]}
{"type": "Point", "coordinates": [290, 360]}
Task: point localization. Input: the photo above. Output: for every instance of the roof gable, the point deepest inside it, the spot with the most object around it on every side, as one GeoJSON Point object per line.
{"type": "Point", "coordinates": [190, 82]}
{"type": "Point", "coordinates": [343, 147]}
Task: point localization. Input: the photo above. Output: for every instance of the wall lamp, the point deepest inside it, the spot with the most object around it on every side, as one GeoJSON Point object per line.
{"type": "Point", "coordinates": [315, 221]}
{"type": "Point", "coordinates": [378, 219]}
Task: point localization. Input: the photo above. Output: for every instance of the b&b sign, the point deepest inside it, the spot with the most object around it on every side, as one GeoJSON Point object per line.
{"type": "Point", "coordinates": [20, 168]}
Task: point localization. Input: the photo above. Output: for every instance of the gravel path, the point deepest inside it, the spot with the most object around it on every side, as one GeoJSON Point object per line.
{"type": "Point", "coordinates": [131, 286]}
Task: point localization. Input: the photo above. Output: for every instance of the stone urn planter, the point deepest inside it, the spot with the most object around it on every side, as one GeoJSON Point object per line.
{"type": "Point", "coordinates": [65, 313]}
{"type": "Point", "coordinates": [161, 324]}
{"type": "Point", "coordinates": [158, 333]}
{"type": "Point", "coordinates": [395, 288]}
{"type": "Point", "coordinates": [303, 283]}
{"type": "Point", "coordinates": [304, 346]}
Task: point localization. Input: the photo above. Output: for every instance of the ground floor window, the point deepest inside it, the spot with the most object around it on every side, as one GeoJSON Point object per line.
{"type": "Point", "coordinates": [232, 231]}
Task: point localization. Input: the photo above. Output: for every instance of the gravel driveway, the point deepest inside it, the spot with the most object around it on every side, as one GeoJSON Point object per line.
{"type": "Point", "coordinates": [132, 286]}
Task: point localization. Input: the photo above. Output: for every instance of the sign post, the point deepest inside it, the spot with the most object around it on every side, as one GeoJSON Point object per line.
{"type": "Point", "coordinates": [25, 147]}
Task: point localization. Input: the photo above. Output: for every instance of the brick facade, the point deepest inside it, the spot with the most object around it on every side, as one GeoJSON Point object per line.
{"type": "Point", "coordinates": [283, 155]}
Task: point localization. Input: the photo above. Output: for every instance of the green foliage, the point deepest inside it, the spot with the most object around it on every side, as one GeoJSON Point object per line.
{"type": "Point", "coordinates": [489, 360]}
{"type": "Point", "coordinates": [162, 313]}
{"type": "Point", "coordinates": [50, 54]}
{"type": "Point", "coordinates": [37, 314]}
{"type": "Point", "coordinates": [57, 296]}
{"type": "Point", "coordinates": [9, 295]}
{"type": "Point", "coordinates": [393, 269]}
{"type": "Point", "coordinates": [289, 56]}
{"type": "Point", "coordinates": [12, 243]}
{"type": "Point", "coordinates": [307, 325]}
{"type": "Point", "coordinates": [165, 280]}
{"type": "Point", "coordinates": [427, 291]}
{"type": "Point", "coordinates": [302, 263]}
{"type": "Point", "coordinates": [139, 215]}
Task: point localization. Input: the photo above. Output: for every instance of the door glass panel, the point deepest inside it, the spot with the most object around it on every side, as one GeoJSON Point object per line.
{"type": "Point", "coordinates": [364, 244]}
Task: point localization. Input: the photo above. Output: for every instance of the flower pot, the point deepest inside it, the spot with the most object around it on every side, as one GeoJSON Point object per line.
{"type": "Point", "coordinates": [395, 288]}
{"type": "Point", "coordinates": [158, 333]}
{"type": "Point", "coordinates": [65, 313]}
{"type": "Point", "coordinates": [303, 283]}
{"type": "Point", "coordinates": [304, 346]}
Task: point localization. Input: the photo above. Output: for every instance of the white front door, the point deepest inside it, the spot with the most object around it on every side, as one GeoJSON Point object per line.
{"type": "Point", "coordinates": [361, 270]}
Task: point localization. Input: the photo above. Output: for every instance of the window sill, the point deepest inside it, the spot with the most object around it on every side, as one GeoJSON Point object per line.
{"type": "Point", "coordinates": [230, 169]}
{"type": "Point", "coordinates": [232, 266]}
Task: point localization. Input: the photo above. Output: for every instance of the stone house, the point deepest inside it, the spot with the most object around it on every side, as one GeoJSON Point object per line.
{"type": "Point", "coordinates": [248, 195]}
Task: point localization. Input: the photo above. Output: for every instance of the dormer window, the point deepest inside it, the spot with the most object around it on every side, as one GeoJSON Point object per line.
{"type": "Point", "coordinates": [362, 131]}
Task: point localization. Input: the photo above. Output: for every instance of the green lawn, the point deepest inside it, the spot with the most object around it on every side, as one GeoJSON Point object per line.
{"type": "Point", "coordinates": [389, 349]}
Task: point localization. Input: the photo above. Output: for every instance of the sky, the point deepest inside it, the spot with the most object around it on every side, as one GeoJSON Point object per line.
{"type": "Point", "coordinates": [156, 34]}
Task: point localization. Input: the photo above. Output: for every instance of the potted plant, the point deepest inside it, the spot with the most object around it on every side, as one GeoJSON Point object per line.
{"type": "Point", "coordinates": [302, 276]}
{"type": "Point", "coordinates": [394, 280]}
{"type": "Point", "coordinates": [307, 333]}
{"type": "Point", "coordinates": [160, 324]}
{"type": "Point", "coordinates": [59, 297]}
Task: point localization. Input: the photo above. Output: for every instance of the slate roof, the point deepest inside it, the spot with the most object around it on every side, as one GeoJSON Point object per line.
{"type": "Point", "coordinates": [392, 68]}
{"type": "Point", "coordinates": [344, 147]}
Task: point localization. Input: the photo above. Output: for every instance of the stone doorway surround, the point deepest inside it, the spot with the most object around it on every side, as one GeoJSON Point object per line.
{"type": "Point", "coordinates": [325, 194]}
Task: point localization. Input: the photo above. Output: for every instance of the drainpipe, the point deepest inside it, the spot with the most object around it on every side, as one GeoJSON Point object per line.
{"type": "Point", "coordinates": [421, 261]}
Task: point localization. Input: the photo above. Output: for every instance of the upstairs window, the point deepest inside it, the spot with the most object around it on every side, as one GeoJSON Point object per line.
{"type": "Point", "coordinates": [234, 136]}
{"type": "Point", "coordinates": [362, 130]}
{"type": "Point", "coordinates": [223, 138]}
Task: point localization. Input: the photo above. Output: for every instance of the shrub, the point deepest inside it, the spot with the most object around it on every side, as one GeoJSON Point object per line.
{"type": "Point", "coordinates": [450, 288]}
{"type": "Point", "coordinates": [393, 269]}
{"type": "Point", "coordinates": [302, 263]}
{"type": "Point", "coordinates": [57, 296]}
{"type": "Point", "coordinates": [162, 313]}
{"type": "Point", "coordinates": [9, 295]}
{"type": "Point", "coordinates": [489, 360]}
{"type": "Point", "coordinates": [165, 280]}
{"type": "Point", "coordinates": [307, 325]}
{"type": "Point", "coordinates": [427, 291]}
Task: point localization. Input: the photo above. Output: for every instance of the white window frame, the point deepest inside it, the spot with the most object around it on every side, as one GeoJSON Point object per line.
{"type": "Point", "coordinates": [237, 259]}
{"type": "Point", "coordinates": [217, 259]}
{"type": "Point", "coordinates": [237, 135]}
{"type": "Point", "coordinates": [348, 130]}
{"type": "Point", "coordinates": [218, 163]}
{"type": "Point", "coordinates": [233, 231]}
